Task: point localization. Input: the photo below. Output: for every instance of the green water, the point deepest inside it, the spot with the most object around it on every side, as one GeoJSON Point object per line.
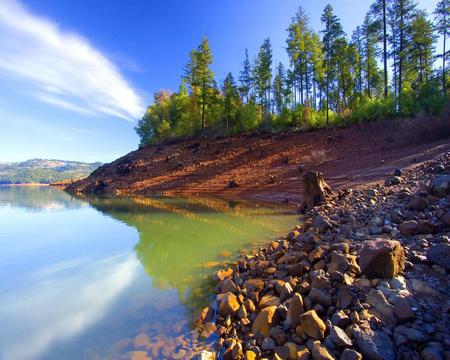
{"type": "Point", "coordinates": [80, 278]}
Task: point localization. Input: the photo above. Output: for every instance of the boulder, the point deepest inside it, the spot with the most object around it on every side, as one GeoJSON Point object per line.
{"type": "Point", "coordinates": [229, 305]}
{"type": "Point", "coordinates": [320, 352]}
{"type": "Point", "coordinates": [440, 186]}
{"type": "Point", "coordinates": [374, 345]}
{"type": "Point", "coordinates": [315, 190]}
{"type": "Point", "coordinates": [311, 325]}
{"type": "Point", "coordinates": [320, 296]}
{"type": "Point", "coordinates": [382, 258]}
{"type": "Point", "coordinates": [322, 224]}
{"type": "Point", "coordinates": [440, 254]}
{"type": "Point", "coordinates": [295, 309]}
{"type": "Point", "coordinates": [264, 321]}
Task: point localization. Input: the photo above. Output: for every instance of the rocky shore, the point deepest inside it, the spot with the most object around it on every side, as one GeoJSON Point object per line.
{"type": "Point", "coordinates": [365, 277]}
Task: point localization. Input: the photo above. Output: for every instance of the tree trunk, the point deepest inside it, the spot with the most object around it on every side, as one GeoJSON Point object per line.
{"type": "Point", "coordinates": [315, 190]}
{"type": "Point", "coordinates": [385, 50]}
{"type": "Point", "coordinates": [444, 85]}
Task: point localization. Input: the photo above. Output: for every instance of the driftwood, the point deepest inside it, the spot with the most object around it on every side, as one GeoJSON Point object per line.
{"type": "Point", "coordinates": [315, 190]}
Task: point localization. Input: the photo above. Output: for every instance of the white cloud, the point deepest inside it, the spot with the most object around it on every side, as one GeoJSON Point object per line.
{"type": "Point", "coordinates": [61, 67]}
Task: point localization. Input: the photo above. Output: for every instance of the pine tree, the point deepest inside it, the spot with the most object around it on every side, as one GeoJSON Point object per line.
{"type": "Point", "coordinates": [357, 42]}
{"type": "Point", "coordinates": [262, 75]}
{"type": "Point", "coordinates": [442, 14]}
{"type": "Point", "coordinates": [231, 101]}
{"type": "Point", "coordinates": [279, 89]}
{"type": "Point", "coordinates": [371, 72]}
{"type": "Point", "coordinates": [245, 79]}
{"type": "Point", "coordinates": [379, 12]}
{"type": "Point", "coordinates": [331, 34]}
{"type": "Point", "coordinates": [200, 77]}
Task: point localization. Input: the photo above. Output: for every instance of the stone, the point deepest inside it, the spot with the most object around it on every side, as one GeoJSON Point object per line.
{"type": "Point", "coordinates": [382, 258]}
{"type": "Point", "coordinates": [418, 203]}
{"type": "Point", "coordinates": [409, 228]}
{"type": "Point", "coordinates": [426, 227]}
{"type": "Point", "coordinates": [229, 305]}
{"type": "Point", "coordinates": [374, 345]}
{"type": "Point", "coordinates": [322, 224]}
{"type": "Point", "coordinates": [268, 344]}
{"type": "Point", "coordinates": [293, 350]}
{"type": "Point", "coordinates": [208, 330]}
{"type": "Point", "coordinates": [315, 255]}
{"type": "Point", "coordinates": [227, 285]}
{"type": "Point", "coordinates": [422, 287]}
{"type": "Point", "coordinates": [295, 309]}
{"type": "Point", "coordinates": [320, 296]}
{"type": "Point", "coordinates": [312, 325]}
{"type": "Point", "coordinates": [446, 218]}
{"type": "Point", "coordinates": [394, 180]}
{"type": "Point", "coordinates": [440, 186]}
{"type": "Point", "coordinates": [206, 355]}
{"type": "Point", "coordinates": [223, 274]}
{"type": "Point", "coordinates": [402, 309]}
{"type": "Point", "coordinates": [340, 319]}
{"type": "Point", "coordinates": [264, 321]}
{"type": "Point", "coordinates": [320, 352]}
{"type": "Point", "coordinates": [383, 310]}
{"type": "Point", "coordinates": [431, 353]}
{"type": "Point", "coordinates": [303, 354]}
{"type": "Point", "coordinates": [250, 355]}
{"type": "Point", "coordinates": [268, 300]}
{"type": "Point", "coordinates": [339, 337]}
{"type": "Point", "coordinates": [349, 354]}
{"type": "Point", "coordinates": [338, 263]}
{"type": "Point", "coordinates": [277, 333]}
{"type": "Point", "coordinates": [440, 254]}
{"type": "Point", "coordinates": [253, 285]}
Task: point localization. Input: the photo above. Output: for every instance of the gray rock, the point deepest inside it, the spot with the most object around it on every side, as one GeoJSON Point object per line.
{"type": "Point", "coordinates": [339, 337]}
{"type": "Point", "coordinates": [349, 354]}
{"type": "Point", "coordinates": [440, 186]}
{"type": "Point", "coordinates": [440, 254]}
{"type": "Point", "coordinates": [374, 345]}
{"type": "Point", "coordinates": [431, 353]}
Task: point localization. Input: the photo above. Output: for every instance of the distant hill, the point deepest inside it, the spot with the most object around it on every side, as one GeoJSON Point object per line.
{"type": "Point", "coordinates": [44, 171]}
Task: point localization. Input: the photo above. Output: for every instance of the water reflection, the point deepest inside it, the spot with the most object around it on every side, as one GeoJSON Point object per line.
{"type": "Point", "coordinates": [84, 283]}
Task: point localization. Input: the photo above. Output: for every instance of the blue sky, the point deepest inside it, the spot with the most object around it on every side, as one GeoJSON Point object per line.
{"type": "Point", "coordinates": [76, 75]}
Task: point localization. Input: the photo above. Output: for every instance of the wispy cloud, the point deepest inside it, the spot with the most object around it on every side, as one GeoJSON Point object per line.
{"type": "Point", "coordinates": [63, 68]}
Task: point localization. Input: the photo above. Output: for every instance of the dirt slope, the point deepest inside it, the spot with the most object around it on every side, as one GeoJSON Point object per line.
{"type": "Point", "coordinates": [266, 166]}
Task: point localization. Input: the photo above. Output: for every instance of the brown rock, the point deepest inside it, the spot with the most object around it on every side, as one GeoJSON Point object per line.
{"type": "Point", "coordinates": [223, 274]}
{"type": "Point", "coordinates": [320, 352]}
{"type": "Point", "coordinates": [254, 285]}
{"type": "Point", "coordinates": [264, 321]}
{"type": "Point", "coordinates": [338, 263]}
{"type": "Point", "coordinates": [268, 300]}
{"type": "Point", "coordinates": [295, 309]}
{"type": "Point", "coordinates": [349, 354]}
{"type": "Point", "coordinates": [312, 325]}
{"type": "Point", "coordinates": [229, 305]}
{"type": "Point", "coordinates": [382, 258]}
{"type": "Point", "coordinates": [408, 228]}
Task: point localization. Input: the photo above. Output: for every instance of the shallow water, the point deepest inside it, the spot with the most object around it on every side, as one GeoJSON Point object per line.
{"type": "Point", "coordinates": [81, 278]}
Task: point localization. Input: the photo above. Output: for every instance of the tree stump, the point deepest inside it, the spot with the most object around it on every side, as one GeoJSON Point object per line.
{"type": "Point", "coordinates": [315, 190]}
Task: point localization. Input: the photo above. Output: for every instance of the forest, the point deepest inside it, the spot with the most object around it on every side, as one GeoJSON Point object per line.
{"type": "Point", "coordinates": [389, 67]}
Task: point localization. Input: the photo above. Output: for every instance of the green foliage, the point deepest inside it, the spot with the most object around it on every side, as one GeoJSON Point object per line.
{"type": "Point", "coordinates": [331, 81]}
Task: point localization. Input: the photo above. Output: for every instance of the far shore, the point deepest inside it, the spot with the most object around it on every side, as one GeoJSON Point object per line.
{"type": "Point", "coordinates": [25, 184]}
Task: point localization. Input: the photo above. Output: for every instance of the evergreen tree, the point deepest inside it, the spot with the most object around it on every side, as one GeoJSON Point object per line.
{"type": "Point", "coordinates": [231, 102]}
{"type": "Point", "coordinates": [331, 34]}
{"type": "Point", "coordinates": [279, 89]}
{"type": "Point", "coordinates": [371, 72]}
{"type": "Point", "coordinates": [442, 14]}
{"type": "Point", "coordinates": [357, 42]}
{"type": "Point", "coordinates": [378, 11]}
{"type": "Point", "coordinates": [245, 79]}
{"type": "Point", "coordinates": [262, 75]}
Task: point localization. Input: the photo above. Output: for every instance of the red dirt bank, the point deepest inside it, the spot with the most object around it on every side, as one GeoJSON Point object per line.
{"type": "Point", "coordinates": [266, 167]}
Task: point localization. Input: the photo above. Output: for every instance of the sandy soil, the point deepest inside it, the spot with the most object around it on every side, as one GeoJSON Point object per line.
{"type": "Point", "coordinates": [266, 167]}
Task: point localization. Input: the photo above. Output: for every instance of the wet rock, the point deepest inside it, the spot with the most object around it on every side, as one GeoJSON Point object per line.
{"type": "Point", "coordinates": [229, 305]}
{"type": "Point", "coordinates": [295, 309]}
{"type": "Point", "coordinates": [349, 354]}
{"type": "Point", "coordinates": [374, 345]}
{"type": "Point", "coordinates": [264, 321]}
{"type": "Point", "coordinates": [339, 337]}
{"type": "Point", "coordinates": [440, 254]}
{"type": "Point", "coordinates": [382, 258]}
{"type": "Point", "coordinates": [312, 325]}
{"type": "Point", "coordinates": [409, 228]}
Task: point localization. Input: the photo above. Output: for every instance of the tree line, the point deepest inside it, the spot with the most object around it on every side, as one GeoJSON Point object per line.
{"type": "Point", "coordinates": [388, 67]}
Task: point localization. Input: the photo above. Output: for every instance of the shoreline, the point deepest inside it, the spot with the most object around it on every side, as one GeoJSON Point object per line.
{"type": "Point", "coordinates": [25, 185]}
{"type": "Point", "coordinates": [389, 309]}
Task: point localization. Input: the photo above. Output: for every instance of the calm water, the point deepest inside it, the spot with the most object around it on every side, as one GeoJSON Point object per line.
{"type": "Point", "coordinates": [82, 278]}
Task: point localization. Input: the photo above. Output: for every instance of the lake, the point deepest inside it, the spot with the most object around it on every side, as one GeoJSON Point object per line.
{"type": "Point", "coordinates": [114, 277]}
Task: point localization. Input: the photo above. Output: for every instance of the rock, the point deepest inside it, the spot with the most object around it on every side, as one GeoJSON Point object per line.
{"type": "Point", "coordinates": [382, 258]}
{"type": "Point", "coordinates": [229, 305]}
{"type": "Point", "coordinates": [312, 325]}
{"type": "Point", "coordinates": [338, 263]}
{"type": "Point", "coordinates": [393, 180]}
{"type": "Point", "coordinates": [322, 224]}
{"type": "Point", "coordinates": [232, 184]}
{"type": "Point", "coordinates": [383, 309]}
{"type": "Point", "coordinates": [340, 319]}
{"type": "Point", "coordinates": [254, 285]}
{"type": "Point", "coordinates": [320, 352]}
{"type": "Point", "coordinates": [250, 355]}
{"type": "Point", "coordinates": [268, 344]}
{"type": "Point", "coordinates": [418, 203]}
{"type": "Point", "coordinates": [426, 227]}
{"type": "Point", "coordinates": [223, 274]}
{"type": "Point", "coordinates": [303, 354]}
{"type": "Point", "coordinates": [398, 172]}
{"type": "Point", "coordinates": [422, 287]}
{"type": "Point", "coordinates": [339, 337]}
{"type": "Point", "coordinates": [242, 313]}
{"type": "Point", "coordinates": [206, 355]}
{"type": "Point", "coordinates": [374, 345]}
{"type": "Point", "coordinates": [440, 254]}
{"type": "Point", "coordinates": [207, 330]}
{"type": "Point", "coordinates": [402, 309]}
{"type": "Point", "coordinates": [446, 218]}
{"type": "Point", "coordinates": [349, 354]}
{"type": "Point", "coordinates": [277, 333]}
{"type": "Point", "coordinates": [409, 228]}
{"type": "Point", "coordinates": [315, 255]}
{"type": "Point", "coordinates": [320, 296]}
{"type": "Point", "coordinates": [264, 321]}
{"type": "Point", "coordinates": [315, 190]}
{"type": "Point", "coordinates": [431, 353]}
{"type": "Point", "coordinates": [440, 186]}
{"type": "Point", "coordinates": [226, 286]}
{"type": "Point", "coordinates": [295, 309]}
{"type": "Point", "coordinates": [268, 300]}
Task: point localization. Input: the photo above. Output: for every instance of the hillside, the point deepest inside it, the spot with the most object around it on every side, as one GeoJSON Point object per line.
{"type": "Point", "coordinates": [44, 171]}
{"type": "Point", "coordinates": [270, 166]}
